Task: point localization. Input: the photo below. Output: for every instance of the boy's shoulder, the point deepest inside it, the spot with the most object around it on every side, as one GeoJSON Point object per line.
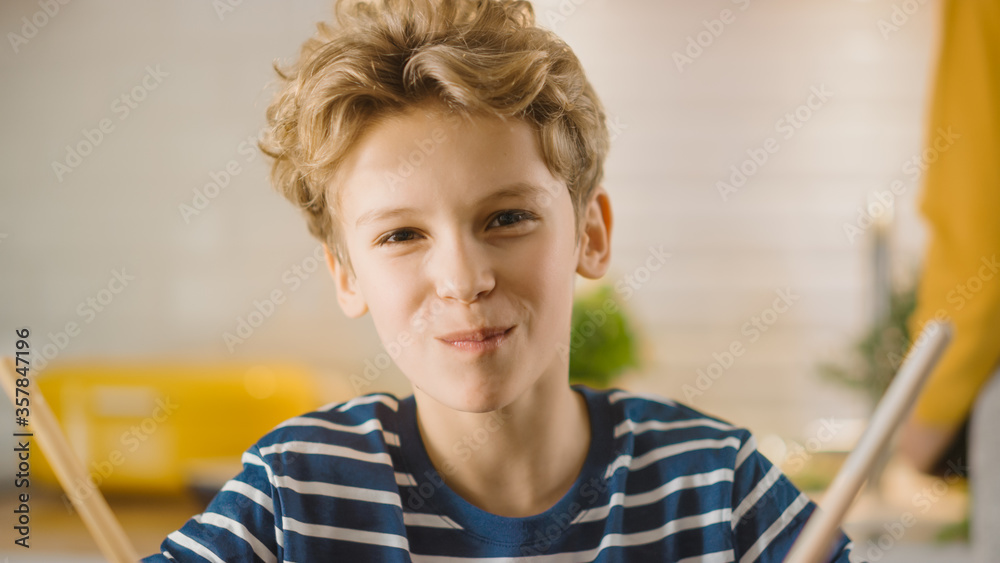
{"type": "Point", "coordinates": [364, 419]}
{"type": "Point", "coordinates": [651, 422]}
{"type": "Point", "coordinates": [635, 408]}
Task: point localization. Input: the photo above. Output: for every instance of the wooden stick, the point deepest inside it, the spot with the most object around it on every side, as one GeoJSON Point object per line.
{"type": "Point", "coordinates": [93, 509]}
{"type": "Point", "coordinates": [813, 544]}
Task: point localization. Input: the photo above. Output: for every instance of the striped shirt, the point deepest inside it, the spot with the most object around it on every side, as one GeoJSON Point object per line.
{"type": "Point", "coordinates": [352, 482]}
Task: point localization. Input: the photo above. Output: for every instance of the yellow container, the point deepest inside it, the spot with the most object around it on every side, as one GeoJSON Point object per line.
{"type": "Point", "coordinates": [162, 428]}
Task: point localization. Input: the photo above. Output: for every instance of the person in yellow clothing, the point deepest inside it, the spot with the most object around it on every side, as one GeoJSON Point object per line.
{"type": "Point", "coordinates": [961, 277]}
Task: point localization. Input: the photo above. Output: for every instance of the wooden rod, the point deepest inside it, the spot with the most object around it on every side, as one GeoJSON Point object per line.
{"type": "Point", "coordinates": [813, 544]}
{"type": "Point", "coordinates": [93, 508]}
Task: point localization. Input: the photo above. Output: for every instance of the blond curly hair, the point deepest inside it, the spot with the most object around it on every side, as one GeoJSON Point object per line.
{"type": "Point", "coordinates": [477, 57]}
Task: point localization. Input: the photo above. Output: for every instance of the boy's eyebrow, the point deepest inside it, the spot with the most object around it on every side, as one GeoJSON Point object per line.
{"type": "Point", "coordinates": [516, 189]}
{"type": "Point", "coordinates": [509, 190]}
{"type": "Point", "coordinates": [376, 214]}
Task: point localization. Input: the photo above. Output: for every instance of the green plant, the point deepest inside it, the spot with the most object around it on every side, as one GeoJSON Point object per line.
{"type": "Point", "coordinates": [954, 532]}
{"type": "Point", "coordinates": [603, 342]}
{"type": "Point", "coordinates": [879, 352]}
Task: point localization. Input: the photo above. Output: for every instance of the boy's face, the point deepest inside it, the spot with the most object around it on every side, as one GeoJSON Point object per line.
{"type": "Point", "coordinates": [446, 237]}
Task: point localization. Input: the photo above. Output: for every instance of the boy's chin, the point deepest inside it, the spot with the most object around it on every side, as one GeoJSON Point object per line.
{"type": "Point", "coordinates": [470, 400]}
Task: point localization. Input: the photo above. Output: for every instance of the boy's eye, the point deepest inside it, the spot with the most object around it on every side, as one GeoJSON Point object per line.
{"type": "Point", "coordinates": [402, 235]}
{"type": "Point", "coordinates": [511, 217]}
{"type": "Point", "coordinates": [503, 219]}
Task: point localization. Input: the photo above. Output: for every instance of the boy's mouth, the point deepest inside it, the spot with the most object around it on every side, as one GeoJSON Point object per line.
{"type": "Point", "coordinates": [477, 340]}
{"type": "Point", "coordinates": [476, 335]}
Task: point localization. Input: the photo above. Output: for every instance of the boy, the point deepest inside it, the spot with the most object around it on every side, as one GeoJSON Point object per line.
{"type": "Point", "coordinates": [449, 155]}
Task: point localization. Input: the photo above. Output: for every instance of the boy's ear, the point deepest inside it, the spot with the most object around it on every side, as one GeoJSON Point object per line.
{"type": "Point", "coordinates": [594, 248]}
{"type": "Point", "coordinates": [351, 301]}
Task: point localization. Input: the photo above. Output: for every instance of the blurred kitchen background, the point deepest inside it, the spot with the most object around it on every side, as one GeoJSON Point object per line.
{"type": "Point", "coordinates": [163, 235]}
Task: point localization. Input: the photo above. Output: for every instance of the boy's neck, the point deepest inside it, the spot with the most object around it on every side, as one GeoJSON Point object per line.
{"type": "Point", "coordinates": [517, 461]}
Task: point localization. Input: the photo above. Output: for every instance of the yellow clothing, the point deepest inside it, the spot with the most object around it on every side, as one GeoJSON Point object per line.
{"type": "Point", "coordinates": [961, 202]}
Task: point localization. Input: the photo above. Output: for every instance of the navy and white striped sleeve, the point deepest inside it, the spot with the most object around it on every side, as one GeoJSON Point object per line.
{"type": "Point", "coordinates": [238, 525]}
{"type": "Point", "coordinates": [769, 511]}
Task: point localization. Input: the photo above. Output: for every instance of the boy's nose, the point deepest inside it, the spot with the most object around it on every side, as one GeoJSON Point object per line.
{"type": "Point", "coordinates": [462, 271]}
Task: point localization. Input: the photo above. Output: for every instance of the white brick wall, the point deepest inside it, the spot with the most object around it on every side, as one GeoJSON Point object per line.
{"type": "Point", "coordinates": [119, 208]}
{"type": "Point", "coordinates": [783, 228]}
